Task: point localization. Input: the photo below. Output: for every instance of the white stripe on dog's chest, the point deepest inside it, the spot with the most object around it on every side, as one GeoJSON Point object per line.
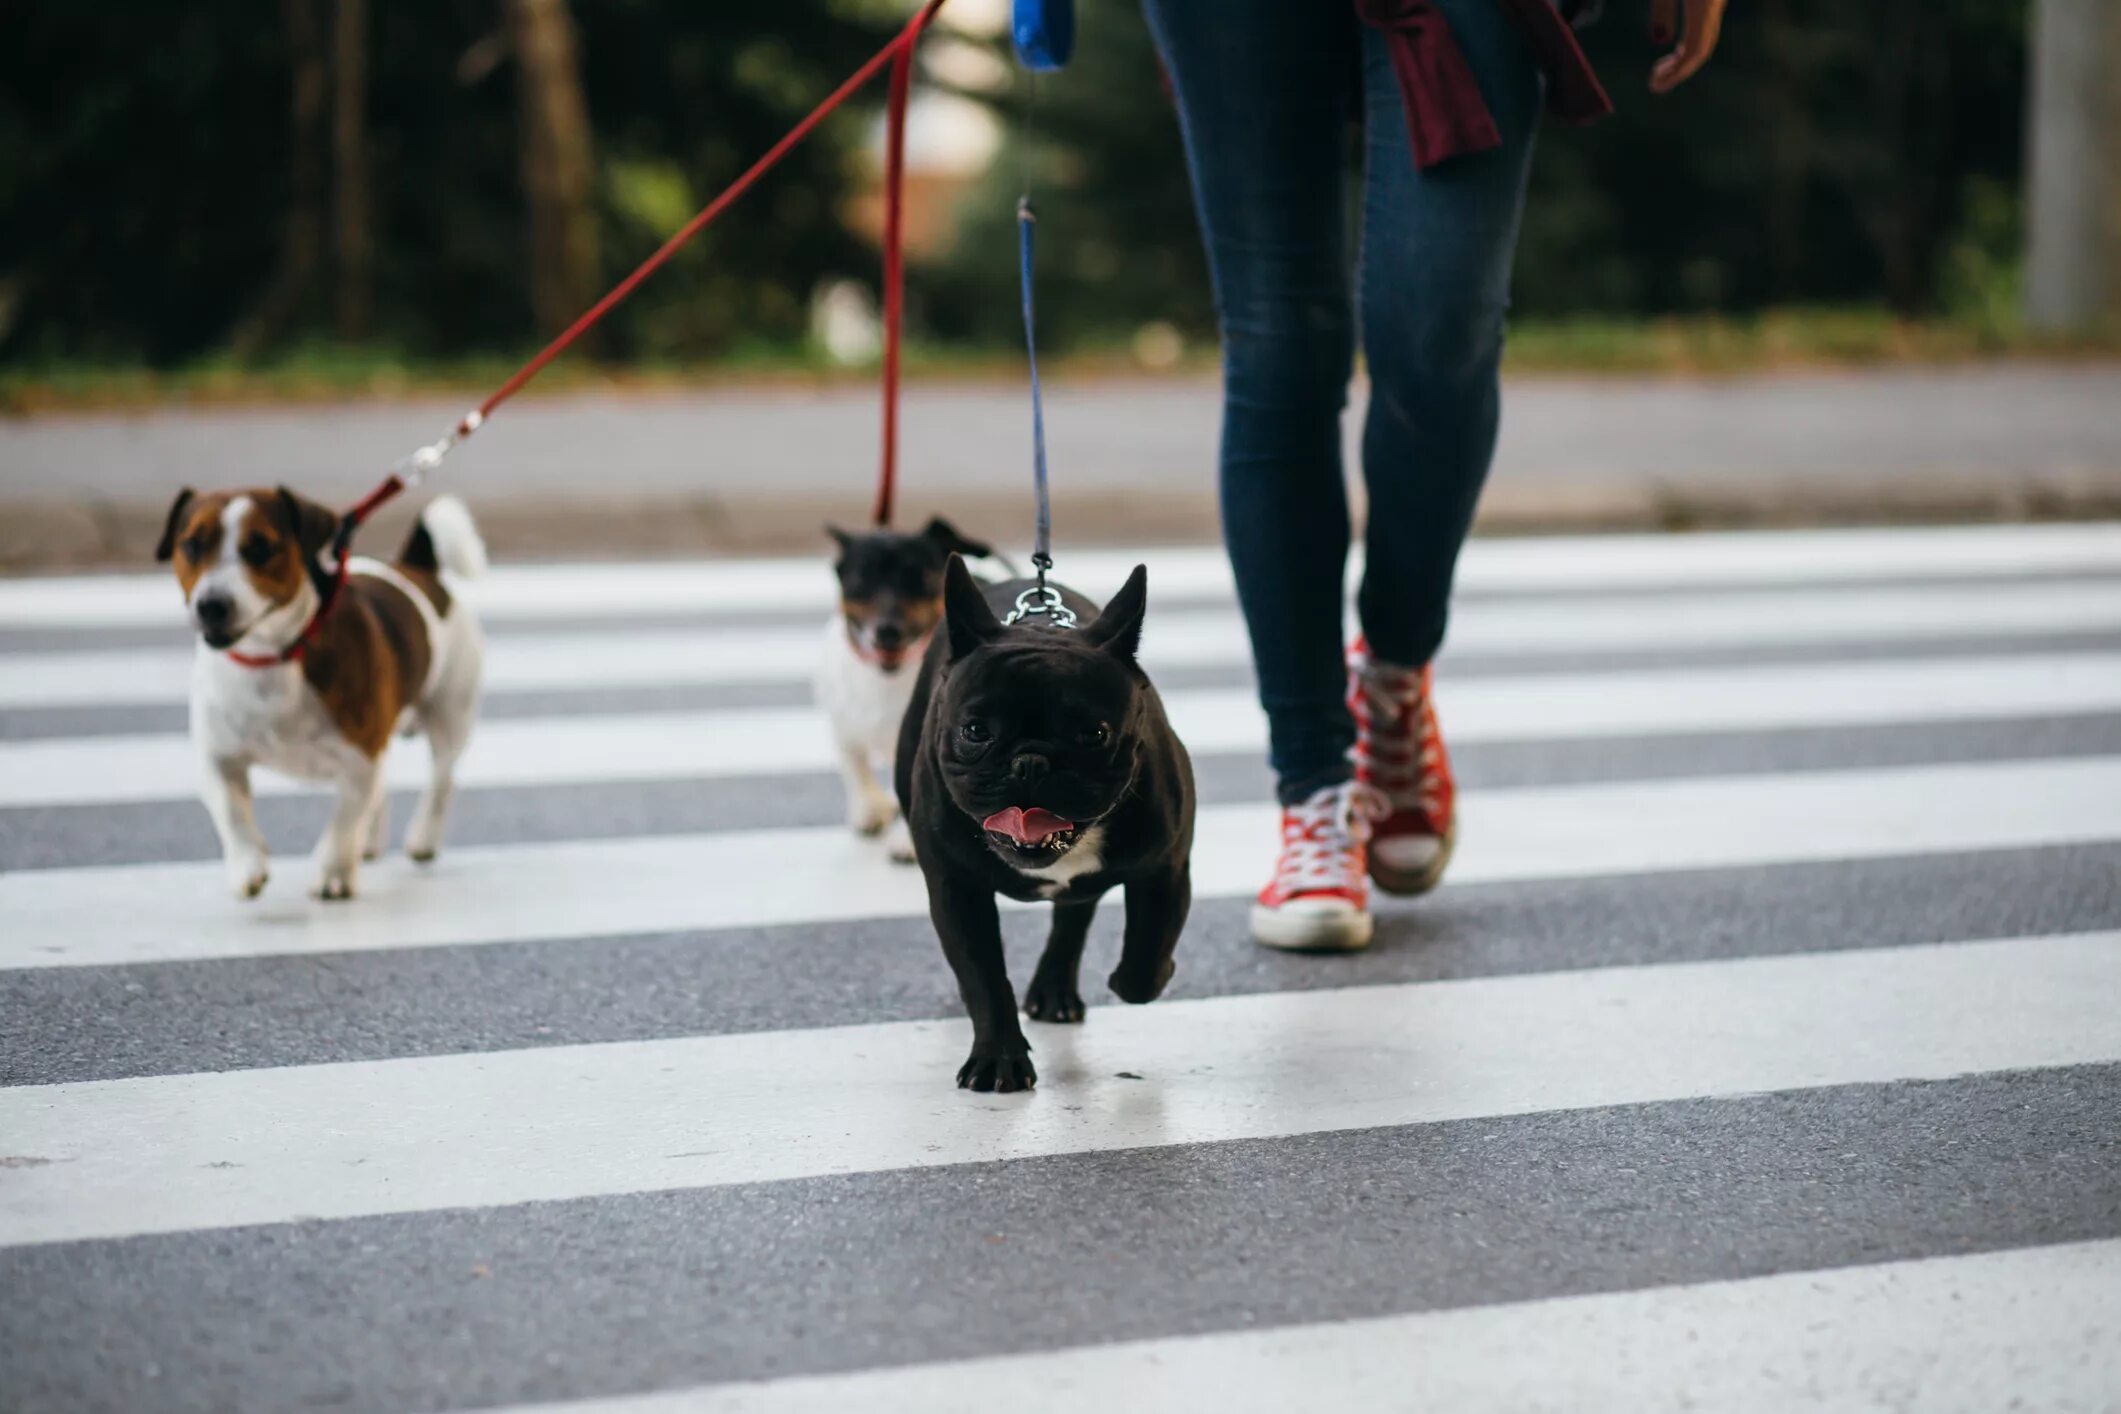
{"type": "Point", "coordinates": [1085, 858]}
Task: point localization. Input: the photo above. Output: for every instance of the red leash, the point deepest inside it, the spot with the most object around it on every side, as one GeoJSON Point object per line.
{"type": "Point", "coordinates": [412, 470]}
{"type": "Point", "coordinates": [895, 257]}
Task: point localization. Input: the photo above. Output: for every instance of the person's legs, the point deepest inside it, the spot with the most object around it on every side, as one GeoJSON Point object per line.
{"type": "Point", "coordinates": [1433, 282]}
{"type": "Point", "coordinates": [1264, 91]}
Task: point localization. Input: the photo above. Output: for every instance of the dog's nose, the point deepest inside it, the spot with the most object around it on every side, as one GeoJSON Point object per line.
{"type": "Point", "coordinates": [1027, 768]}
{"type": "Point", "coordinates": [890, 637]}
{"type": "Point", "coordinates": [213, 610]}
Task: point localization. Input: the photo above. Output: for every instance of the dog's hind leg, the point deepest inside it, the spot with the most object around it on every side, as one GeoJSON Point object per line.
{"type": "Point", "coordinates": [1054, 993]}
{"type": "Point", "coordinates": [376, 833]}
{"type": "Point", "coordinates": [447, 735]}
{"type": "Point", "coordinates": [1156, 915]}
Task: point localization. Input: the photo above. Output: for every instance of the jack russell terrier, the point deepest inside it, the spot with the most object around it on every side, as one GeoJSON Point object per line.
{"type": "Point", "coordinates": [891, 598]}
{"type": "Point", "coordinates": [310, 675]}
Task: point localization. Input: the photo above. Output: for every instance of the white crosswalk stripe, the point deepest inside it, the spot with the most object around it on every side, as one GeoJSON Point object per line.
{"type": "Point", "coordinates": [98, 916]}
{"type": "Point", "coordinates": [170, 1153]}
{"type": "Point", "coordinates": [645, 658]}
{"type": "Point", "coordinates": [653, 746]}
{"type": "Point", "coordinates": [212, 1167]}
{"type": "Point", "coordinates": [1557, 565]}
{"type": "Point", "coordinates": [1951, 1333]}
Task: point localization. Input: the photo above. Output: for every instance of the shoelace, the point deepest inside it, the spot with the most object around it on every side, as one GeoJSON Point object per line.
{"type": "Point", "coordinates": [1404, 756]}
{"type": "Point", "coordinates": [1322, 839]}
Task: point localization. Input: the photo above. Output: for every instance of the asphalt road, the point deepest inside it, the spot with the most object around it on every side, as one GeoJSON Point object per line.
{"type": "Point", "coordinates": [752, 468]}
{"type": "Point", "coordinates": [1760, 1050]}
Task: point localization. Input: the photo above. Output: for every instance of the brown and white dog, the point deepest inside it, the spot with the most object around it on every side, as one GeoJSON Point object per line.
{"type": "Point", "coordinates": [891, 599]}
{"type": "Point", "coordinates": [314, 683]}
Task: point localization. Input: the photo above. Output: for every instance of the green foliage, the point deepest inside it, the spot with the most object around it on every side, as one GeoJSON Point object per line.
{"type": "Point", "coordinates": [1864, 154]}
{"type": "Point", "coordinates": [145, 156]}
{"type": "Point", "coordinates": [1832, 153]}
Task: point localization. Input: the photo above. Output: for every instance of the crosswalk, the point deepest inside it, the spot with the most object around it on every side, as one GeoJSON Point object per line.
{"type": "Point", "coordinates": [1763, 1049]}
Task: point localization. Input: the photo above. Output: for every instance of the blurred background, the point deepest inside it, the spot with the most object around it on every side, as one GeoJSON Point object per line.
{"type": "Point", "coordinates": [354, 199]}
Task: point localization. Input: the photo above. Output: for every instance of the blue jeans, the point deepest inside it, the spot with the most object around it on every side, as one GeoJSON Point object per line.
{"type": "Point", "coordinates": [1266, 93]}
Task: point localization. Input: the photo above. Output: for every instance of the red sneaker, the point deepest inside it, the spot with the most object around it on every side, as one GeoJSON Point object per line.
{"type": "Point", "coordinates": [1319, 897]}
{"type": "Point", "coordinates": [1399, 750]}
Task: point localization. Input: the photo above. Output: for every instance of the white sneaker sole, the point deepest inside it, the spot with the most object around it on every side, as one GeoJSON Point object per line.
{"type": "Point", "coordinates": [1299, 930]}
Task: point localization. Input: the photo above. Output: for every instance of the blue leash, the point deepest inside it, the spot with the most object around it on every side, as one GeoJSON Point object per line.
{"type": "Point", "coordinates": [1044, 33]}
{"type": "Point", "coordinates": [1042, 534]}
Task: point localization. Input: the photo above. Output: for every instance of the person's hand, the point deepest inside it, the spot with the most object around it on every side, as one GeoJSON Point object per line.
{"type": "Point", "coordinates": [1704, 22]}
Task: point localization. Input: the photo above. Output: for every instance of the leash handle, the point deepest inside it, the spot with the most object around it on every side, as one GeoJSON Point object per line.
{"type": "Point", "coordinates": [1044, 32]}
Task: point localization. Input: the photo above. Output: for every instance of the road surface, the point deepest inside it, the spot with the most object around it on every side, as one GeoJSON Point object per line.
{"type": "Point", "coordinates": [1761, 1050]}
{"type": "Point", "coordinates": [757, 468]}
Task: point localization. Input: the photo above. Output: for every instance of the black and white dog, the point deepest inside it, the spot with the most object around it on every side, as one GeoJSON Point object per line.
{"type": "Point", "coordinates": [1036, 762]}
{"type": "Point", "coordinates": [891, 598]}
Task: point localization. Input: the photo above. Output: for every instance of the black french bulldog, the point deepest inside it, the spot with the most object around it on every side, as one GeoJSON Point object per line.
{"type": "Point", "coordinates": [1035, 761]}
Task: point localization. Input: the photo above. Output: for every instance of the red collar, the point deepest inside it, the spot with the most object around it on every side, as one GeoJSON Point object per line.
{"type": "Point", "coordinates": [293, 652]}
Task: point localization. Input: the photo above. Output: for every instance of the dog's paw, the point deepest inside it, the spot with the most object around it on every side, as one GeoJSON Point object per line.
{"type": "Point", "coordinates": [334, 885]}
{"type": "Point", "coordinates": [999, 1073]}
{"type": "Point", "coordinates": [423, 841]}
{"type": "Point", "coordinates": [246, 877]}
{"type": "Point", "coordinates": [1134, 986]}
{"type": "Point", "coordinates": [899, 843]}
{"type": "Point", "coordinates": [1053, 999]}
{"type": "Point", "coordinates": [870, 814]}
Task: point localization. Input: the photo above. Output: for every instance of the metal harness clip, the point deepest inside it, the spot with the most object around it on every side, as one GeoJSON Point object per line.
{"type": "Point", "coordinates": [1041, 599]}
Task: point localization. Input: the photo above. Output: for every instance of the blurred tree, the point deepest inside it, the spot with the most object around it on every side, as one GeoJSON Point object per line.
{"type": "Point", "coordinates": [2074, 285]}
{"type": "Point", "coordinates": [353, 231]}
{"type": "Point", "coordinates": [302, 233]}
{"type": "Point", "coordinates": [157, 178]}
{"type": "Point", "coordinates": [555, 163]}
{"type": "Point", "coordinates": [161, 175]}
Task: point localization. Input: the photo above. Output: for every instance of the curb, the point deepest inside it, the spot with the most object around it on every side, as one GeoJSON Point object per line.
{"type": "Point", "coordinates": [50, 536]}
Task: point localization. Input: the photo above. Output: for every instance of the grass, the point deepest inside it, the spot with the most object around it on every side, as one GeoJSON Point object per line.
{"type": "Point", "coordinates": [1677, 346]}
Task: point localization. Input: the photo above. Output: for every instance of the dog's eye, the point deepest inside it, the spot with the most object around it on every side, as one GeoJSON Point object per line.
{"type": "Point", "coordinates": [195, 546]}
{"type": "Point", "coordinates": [1097, 735]}
{"type": "Point", "coordinates": [975, 732]}
{"type": "Point", "coordinates": [257, 551]}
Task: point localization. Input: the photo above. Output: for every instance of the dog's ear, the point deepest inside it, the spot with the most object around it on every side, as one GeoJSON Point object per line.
{"type": "Point", "coordinates": [167, 545]}
{"type": "Point", "coordinates": [943, 533]}
{"type": "Point", "coordinates": [965, 610]}
{"type": "Point", "coordinates": [310, 524]}
{"type": "Point", "coordinates": [1118, 630]}
{"type": "Point", "coordinates": [840, 538]}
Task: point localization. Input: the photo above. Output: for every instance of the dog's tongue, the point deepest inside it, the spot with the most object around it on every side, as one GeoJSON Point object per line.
{"type": "Point", "coordinates": [1026, 826]}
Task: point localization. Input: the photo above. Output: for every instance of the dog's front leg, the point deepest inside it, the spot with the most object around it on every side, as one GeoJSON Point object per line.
{"type": "Point", "coordinates": [338, 856]}
{"type": "Point", "coordinates": [971, 931]}
{"type": "Point", "coordinates": [1156, 914]}
{"type": "Point", "coordinates": [1054, 993]}
{"type": "Point", "coordinates": [869, 806]}
{"type": "Point", "coordinates": [225, 787]}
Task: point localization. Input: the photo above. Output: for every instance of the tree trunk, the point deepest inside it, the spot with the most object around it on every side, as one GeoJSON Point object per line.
{"type": "Point", "coordinates": [302, 231]}
{"type": "Point", "coordinates": [2073, 190]}
{"type": "Point", "coordinates": [554, 148]}
{"type": "Point", "coordinates": [353, 244]}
